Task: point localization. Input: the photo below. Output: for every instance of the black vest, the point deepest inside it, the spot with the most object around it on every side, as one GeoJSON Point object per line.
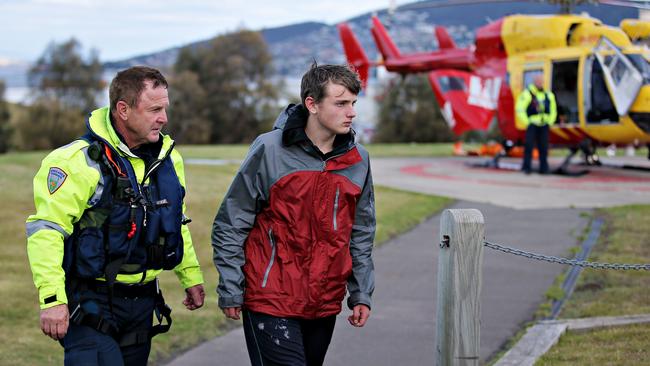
{"type": "Point", "coordinates": [133, 227]}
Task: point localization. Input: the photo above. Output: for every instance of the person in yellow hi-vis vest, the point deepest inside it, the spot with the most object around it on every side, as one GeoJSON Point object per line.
{"type": "Point", "coordinates": [536, 108]}
{"type": "Point", "coordinates": [109, 218]}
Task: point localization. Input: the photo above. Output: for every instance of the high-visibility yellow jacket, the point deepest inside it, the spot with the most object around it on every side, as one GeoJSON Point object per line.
{"type": "Point", "coordinates": [67, 184]}
{"type": "Point", "coordinates": [536, 106]}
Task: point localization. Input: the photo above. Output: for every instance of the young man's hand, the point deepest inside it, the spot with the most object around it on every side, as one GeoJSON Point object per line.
{"type": "Point", "coordinates": [232, 313]}
{"type": "Point", "coordinates": [55, 320]}
{"type": "Point", "coordinates": [194, 297]}
{"type": "Point", "coordinates": [360, 314]}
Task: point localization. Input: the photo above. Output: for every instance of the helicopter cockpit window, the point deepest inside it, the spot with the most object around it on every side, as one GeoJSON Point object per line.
{"type": "Point", "coordinates": [449, 83]}
{"type": "Point", "coordinates": [529, 76]}
{"type": "Point", "coordinates": [599, 107]}
{"type": "Point", "coordinates": [622, 77]}
{"type": "Point", "coordinates": [617, 69]}
{"type": "Point", "coordinates": [642, 65]}
{"type": "Point", "coordinates": [564, 84]}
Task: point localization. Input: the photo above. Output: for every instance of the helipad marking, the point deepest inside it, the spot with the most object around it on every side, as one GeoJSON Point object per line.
{"type": "Point", "coordinates": [581, 183]}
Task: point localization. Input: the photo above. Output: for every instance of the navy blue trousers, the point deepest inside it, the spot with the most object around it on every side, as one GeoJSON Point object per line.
{"type": "Point", "coordinates": [86, 346]}
{"type": "Point", "coordinates": [273, 341]}
{"type": "Point", "coordinates": [536, 135]}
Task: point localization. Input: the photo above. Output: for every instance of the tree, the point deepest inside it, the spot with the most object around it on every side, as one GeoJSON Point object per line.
{"type": "Point", "coordinates": [65, 88]}
{"type": "Point", "coordinates": [49, 124]}
{"type": "Point", "coordinates": [5, 128]}
{"type": "Point", "coordinates": [62, 73]}
{"type": "Point", "coordinates": [408, 112]}
{"type": "Point", "coordinates": [189, 123]}
{"type": "Point", "coordinates": [235, 73]}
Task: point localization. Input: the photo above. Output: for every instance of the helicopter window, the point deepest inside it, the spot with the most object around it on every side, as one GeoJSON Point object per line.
{"type": "Point", "coordinates": [448, 83]}
{"type": "Point", "coordinates": [564, 84]}
{"type": "Point", "coordinates": [622, 77]}
{"type": "Point", "coordinates": [617, 70]}
{"type": "Point", "coordinates": [529, 76]}
{"type": "Point", "coordinates": [642, 65]}
{"type": "Point", "coordinates": [601, 108]}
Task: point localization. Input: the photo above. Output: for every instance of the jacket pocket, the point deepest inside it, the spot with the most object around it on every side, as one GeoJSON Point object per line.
{"type": "Point", "coordinates": [90, 257]}
{"type": "Point", "coordinates": [336, 210]}
{"type": "Point", "coordinates": [271, 260]}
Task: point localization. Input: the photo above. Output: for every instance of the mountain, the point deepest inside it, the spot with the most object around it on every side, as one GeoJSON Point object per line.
{"type": "Point", "coordinates": [272, 36]}
{"type": "Point", "coordinates": [295, 46]}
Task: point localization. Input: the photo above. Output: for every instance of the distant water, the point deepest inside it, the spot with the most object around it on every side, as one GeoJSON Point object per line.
{"type": "Point", "coordinates": [20, 94]}
{"type": "Point", "coordinates": [15, 77]}
{"type": "Point", "coordinates": [17, 94]}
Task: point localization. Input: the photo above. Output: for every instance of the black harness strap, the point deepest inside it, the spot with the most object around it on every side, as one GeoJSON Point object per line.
{"type": "Point", "coordinates": [162, 311]}
{"type": "Point", "coordinates": [95, 321]}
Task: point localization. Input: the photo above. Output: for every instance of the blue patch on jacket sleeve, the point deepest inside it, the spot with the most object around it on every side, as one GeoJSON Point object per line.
{"type": "Point", "coordinates": [55, 179]}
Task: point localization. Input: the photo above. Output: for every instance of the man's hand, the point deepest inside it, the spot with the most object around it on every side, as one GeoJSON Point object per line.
{"type": "Point", "coordinates": [232, 313]}
{"type": "Point", "coordinates": [360, 314]}
{"type": "Point", "coordinates": [194, 298]}
{"type": "Point", "coordinates": [54, 321]}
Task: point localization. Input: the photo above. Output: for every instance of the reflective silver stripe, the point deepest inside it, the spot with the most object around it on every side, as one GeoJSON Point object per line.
{"type": "Point", "coordinates": [336, 208]}
{"type": "Point", "coordinates": [100, 185]}
{"type": "Point", "coordinates": [34, 226]}
{"type": "Point", "coordinates": [268, 268]}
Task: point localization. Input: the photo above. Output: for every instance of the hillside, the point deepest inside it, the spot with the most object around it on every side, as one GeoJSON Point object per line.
{"type": "Point", "coordinates": [295, 46]}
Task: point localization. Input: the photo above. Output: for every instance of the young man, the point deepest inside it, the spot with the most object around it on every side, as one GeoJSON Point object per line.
{"type": "Point", "coordinates": [297, 223]}
{"type": "Point", "coordinates": [109, 217]}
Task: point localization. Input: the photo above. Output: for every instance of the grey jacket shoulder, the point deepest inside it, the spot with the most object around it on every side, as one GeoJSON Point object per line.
{"type": "Point", "coordinates": [365, 155]}
{"type": "Point", "coordinates": [268, 139]}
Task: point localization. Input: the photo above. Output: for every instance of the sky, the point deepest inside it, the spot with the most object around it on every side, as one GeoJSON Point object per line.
{"type": "Point", "coordinates": [123, 28]}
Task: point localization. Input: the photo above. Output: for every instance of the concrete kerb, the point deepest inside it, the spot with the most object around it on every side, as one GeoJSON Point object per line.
{"type": "Point", "coordinates": [542, 336]}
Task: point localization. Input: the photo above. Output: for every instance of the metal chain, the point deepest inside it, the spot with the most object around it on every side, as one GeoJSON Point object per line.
{"type": "Point", "coordinates": [572, 262]}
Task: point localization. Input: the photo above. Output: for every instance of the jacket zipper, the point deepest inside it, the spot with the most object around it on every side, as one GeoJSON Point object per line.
{"type": "Point", "coordinates": [336, 208]}
{"type": "Point", "coordinates": [148, 173]}
{"type": "Point", "coordinates": [157, 163]}
{"type": "Point", "coordinates": [268, 268]}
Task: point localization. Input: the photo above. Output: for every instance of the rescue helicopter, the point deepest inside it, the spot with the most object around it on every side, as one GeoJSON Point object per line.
{"type": "Point", "coordinates": [600, 78]}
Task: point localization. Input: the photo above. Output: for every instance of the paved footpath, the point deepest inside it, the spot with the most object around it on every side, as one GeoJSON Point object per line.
{"type": "Point", "coordinates": [401, 328]}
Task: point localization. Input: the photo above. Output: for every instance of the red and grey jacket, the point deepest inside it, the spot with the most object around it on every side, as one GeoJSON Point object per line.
{"type": "Point", "coordinates": [296, 226]}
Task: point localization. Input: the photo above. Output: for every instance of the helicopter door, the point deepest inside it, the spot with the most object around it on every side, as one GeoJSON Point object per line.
{"type": "Point", "coordinates": [564, 84]}
{"type": "Point", "coordinates": [622, 78]}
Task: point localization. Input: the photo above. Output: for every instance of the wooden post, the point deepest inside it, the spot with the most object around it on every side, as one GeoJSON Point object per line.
{"type": "Point", "coordinates": [458, 310]}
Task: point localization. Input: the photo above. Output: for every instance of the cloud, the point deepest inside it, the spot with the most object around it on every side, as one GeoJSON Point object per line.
{"type": "Point", "coordinates": [124, 28]}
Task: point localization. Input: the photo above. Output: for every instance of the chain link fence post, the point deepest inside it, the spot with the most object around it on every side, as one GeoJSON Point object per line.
{"type": "Point", "coordinates": [458, 309]}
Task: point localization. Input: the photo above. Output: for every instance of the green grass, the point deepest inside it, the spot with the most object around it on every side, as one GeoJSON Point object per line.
{"type": "Point", "coordinates": [625, 239]}
{"type": "Point", "coordinates": [398, 211]}
{"type": "Point", "coordinates": [21, 341]}
{"type": "Point", "coordinates": [608, 346]}
{"type": "Point", "coordinates": [214, 151]}
{"type": "Point", "coordinates": [375, 150]}
{"type": "Point", "coordinates": [413, 149]}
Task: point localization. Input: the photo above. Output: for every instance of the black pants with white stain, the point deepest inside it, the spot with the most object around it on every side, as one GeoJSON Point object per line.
{"type": "Point", "coordinates": [274, 341]}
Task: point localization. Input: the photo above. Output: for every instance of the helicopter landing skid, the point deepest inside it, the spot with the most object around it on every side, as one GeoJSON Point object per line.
{"type": "Point", "coordinates": [623, 166]}
{"type": "Point", "coordinates": [496, 163]}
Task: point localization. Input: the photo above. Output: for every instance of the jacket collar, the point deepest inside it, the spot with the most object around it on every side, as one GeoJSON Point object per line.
{"type": "Point", "coordinates": [293, 121]}
{"type": "Point", "coordinates": [99, 124]}
{"type": "Point", "coordinates": [533, 89]}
